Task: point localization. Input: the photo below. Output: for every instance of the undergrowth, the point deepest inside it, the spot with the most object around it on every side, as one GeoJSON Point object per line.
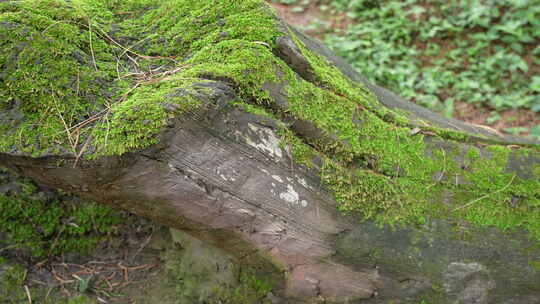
{"type": "Point", "coordinates": [47, 224]}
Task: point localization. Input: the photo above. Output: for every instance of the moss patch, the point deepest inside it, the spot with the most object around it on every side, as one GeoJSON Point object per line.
{"type": "Point", "coordinates": [196, 272]}
{"type": "Point", "coordinates": [55, 72]}
{"type": "Point", "coordinates": [14, 278]}
{"type": "Point", "coordinates": [43, 224]}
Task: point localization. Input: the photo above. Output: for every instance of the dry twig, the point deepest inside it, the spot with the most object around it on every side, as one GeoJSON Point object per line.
{"type": "Point", "coordinates": [485, 196]}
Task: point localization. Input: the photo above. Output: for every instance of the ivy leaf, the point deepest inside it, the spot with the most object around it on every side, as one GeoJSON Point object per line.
{"type": "Point", "coordinates": [298, 9]}
{"type": "Point", "coordinates": [516, 130]}
{"type": "Point", "coordinates": [535, 131]}
{"type": "Point", "coordinates": [535, 84]}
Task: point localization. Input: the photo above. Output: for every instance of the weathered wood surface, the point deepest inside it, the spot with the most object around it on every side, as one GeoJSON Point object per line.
{"type": "Point", "coordinates": [225, 175]}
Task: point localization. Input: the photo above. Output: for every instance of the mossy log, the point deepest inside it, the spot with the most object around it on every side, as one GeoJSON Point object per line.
{"type": "Point", "coordinates": [217, 118]}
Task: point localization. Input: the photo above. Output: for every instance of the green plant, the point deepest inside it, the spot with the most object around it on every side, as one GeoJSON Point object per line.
{"type": "Point", "coordinates": [252, 288]}
{"type": "Point", "coordinates": [493, 118]}
{"type": "Point", "coordinates": [516, 130]}
{"type": "Point", "coordinates": [81, 300]}
{"type": "Point", "coordinates": [535, 131]}
{"type": "Point", "coordinates": [83, 284]}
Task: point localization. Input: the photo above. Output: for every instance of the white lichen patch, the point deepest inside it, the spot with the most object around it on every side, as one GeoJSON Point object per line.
{"type": "Point", "coordinates": [278, 178]}
{"type": "Point", "coordinates": [302, 182]}
{"type": "Point", "coordinates": [269, 142]}
{"type": "Point", "coordinates": [272, 190]}
{"type": "Point", "coordinates": [227, 175]}
{"type": "Point", "coordinates": [245, 212]}
{"type": "Point", "coordinates": [292, 197]}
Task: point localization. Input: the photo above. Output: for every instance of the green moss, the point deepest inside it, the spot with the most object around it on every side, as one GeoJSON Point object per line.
{"type": "Point", "coordinates": [499, 197]}
{"type": "Point", "coordinates": [46, 226]}
{"type": "Point", "coordinates": [535, 265]}
{"type": "Point", "coordinates": [252, 288]}
{"type": "Point", "coordinates": [396, 180]}
{"type": "Point", "coordinates": [12, 278]}
{"type": "Point", "coordinates": [81, 300]}
{"type": "Point", "coordinates": [303, 154]}
{"type": "Point", "coordinates": [55, 72]}
{"type": "Point", "coordinates": [135, 122]}
{"type": "Point", "coordinates": [360, 191]}
{"type": "Point", "coordinates": [252, 109]}
{"type": "Point", "coordinates": [179, 28]}
{"type": "Point", "coordinates": [198, 272]}
{"type": "Point", "coordinates": [68, 85]}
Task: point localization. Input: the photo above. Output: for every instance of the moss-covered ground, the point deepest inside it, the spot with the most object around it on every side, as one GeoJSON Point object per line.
{"type": "Point", "coordinates": [45, 223]}
{"type": "Point", "coordinates": [168, 272]}
{"type": "Point", "coordinates": [38, 228]}
{"type": "Point", "coordinates": [95, 78]}
{"type": "Point", "coordinates": [13, 279]}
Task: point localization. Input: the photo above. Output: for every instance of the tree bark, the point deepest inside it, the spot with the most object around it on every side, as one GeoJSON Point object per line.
{"type": "Point", "coordinates": [226, 175]}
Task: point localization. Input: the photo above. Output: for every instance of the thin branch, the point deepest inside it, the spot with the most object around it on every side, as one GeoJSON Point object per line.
{"type": "Point", "coordinates": [28, 294]}
{"type": "Point", "coordinates": [82, 151]}
{"type": "Point", "coordinates": [485, 196]}
{"type": "Point", "coordinates": [66, 129]}
{"type": "Point", "coordinates": [91, 48]}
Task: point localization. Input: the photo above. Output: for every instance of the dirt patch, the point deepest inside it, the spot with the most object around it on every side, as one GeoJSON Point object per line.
{"type": "Point", "coordinates": [503, 121]}
{"type": "Point", "coordinates": [312, 20]}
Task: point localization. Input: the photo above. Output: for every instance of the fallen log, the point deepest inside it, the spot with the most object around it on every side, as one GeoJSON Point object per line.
{"type": "Point", "coordinates": [218, 119]}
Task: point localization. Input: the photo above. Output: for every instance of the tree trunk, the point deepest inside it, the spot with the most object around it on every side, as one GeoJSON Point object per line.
{"type": "Point", "coordinates": [216, 118]}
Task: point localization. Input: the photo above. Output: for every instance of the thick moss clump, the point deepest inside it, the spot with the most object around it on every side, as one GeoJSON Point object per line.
{"type": "Point", "coordinates": [55, 72]}
{"type": "Point", "coordinates": [43, 223]}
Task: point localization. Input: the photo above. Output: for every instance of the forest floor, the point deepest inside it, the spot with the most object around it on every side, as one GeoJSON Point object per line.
{"type": "Point", "coordinates": [325, 24]}
{"type": "Point", "coordinates": [125, 268]}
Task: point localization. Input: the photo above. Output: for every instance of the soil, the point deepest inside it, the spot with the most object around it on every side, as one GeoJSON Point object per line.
{"type": "Point", "coordinates": [477, 115]}
{"type": "Point", "coordinates": [304, 20]}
